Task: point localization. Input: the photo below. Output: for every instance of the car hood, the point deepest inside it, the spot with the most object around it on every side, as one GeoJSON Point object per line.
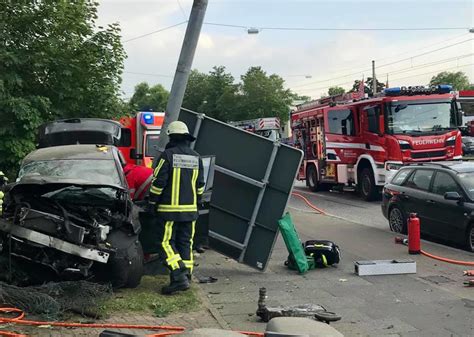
{"type": "Point", "coordinates": [37, 180]}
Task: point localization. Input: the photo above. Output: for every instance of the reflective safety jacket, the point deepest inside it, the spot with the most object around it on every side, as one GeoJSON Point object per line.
{"type": "Point", "coordinates": [178, 183]}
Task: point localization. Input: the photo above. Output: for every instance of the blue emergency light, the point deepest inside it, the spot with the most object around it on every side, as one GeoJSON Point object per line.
{"type": "Point", "coordinates": [148, 118]}
{"type": "Point", "coordinates": [419, 90]}
{"type": "Point", "coordinates": [393, 91]}
{"type": "Point", "coordinates": [445, 88]}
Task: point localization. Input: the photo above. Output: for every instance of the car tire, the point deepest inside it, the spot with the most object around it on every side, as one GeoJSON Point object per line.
{"type": "Point", "coordinates": [312, 178]}
{"type": "Point", "coordinates": [367, 187]}
{"type": "Point", "coordinates": [470, 238]}
{"type": "Point", "coordinates": [397, 220]}
{"type": "Point", "coordinates": [135, 272]}
{"type": "Point", "coordinates": [125, 267]}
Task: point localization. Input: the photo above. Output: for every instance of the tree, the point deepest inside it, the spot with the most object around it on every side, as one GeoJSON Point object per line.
{"type": "Point", "coordinates": [263, 96]}
{"type": "Point", "coordinates": [333, 91]}
{"type": "Point", "coordinates": [458, 80]}
{"type": "Point", "coordinates": [213, 94]}
{"type": "Point", "coordinates": [196, 91]}
{"type": "Point", "coordinates": [54, 62]}
{"type": "Point", "coordinates": [368, 86]}
{"type": "Point", "coordinates": [146, 98]}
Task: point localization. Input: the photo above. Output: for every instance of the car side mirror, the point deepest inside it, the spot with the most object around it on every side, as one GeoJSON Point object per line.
{"type": "Point", "coordinates": [453, 196]}
{"type": "Point", "coordinates": [135, 155]}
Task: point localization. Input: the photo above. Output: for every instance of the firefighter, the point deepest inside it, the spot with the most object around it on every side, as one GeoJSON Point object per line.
{"type": "Point", "coordinates": [3, 182]}
{"type": "Point", "coordinates": [177, 186]}
{"type": "Point", "coordinates": [138, 180]}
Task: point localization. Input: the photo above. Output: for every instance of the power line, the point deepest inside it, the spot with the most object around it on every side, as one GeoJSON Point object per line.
{"type": "Point", "coordinates": [337, 29]}
{"type": "Point", "coordinates": [383, 65]}
{"type": "Point", "coordinates": [182, 10]}
{"type": "Point", "coordinates": [392, 79]}
{"type": "Point", "coordinates": [389, 57]}
{"type": "Point", "coordinates": [433, 72]}
{"type": "Point", "coordinates": [156, 31]}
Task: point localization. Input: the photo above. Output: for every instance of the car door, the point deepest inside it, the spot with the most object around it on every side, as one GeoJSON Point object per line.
{"type": "Point", "coordinates": [447, 216]}
{"type": "Point", "coordinates": [414, 196]}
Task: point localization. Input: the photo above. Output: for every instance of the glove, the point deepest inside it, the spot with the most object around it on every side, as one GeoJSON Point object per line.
{"type": "Point", "coordinates": [150, 207]}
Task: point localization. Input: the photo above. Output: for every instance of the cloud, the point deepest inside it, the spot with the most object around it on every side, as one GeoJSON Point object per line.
{"type": "Point", "coordinates": [323, 55]}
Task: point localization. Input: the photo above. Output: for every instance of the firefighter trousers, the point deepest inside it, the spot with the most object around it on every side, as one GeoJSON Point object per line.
{"type": "Point", "coordinates": [176, 243]}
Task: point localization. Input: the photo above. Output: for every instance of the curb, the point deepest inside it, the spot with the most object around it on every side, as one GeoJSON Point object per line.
{"type": "Point", "coordinates": [214, 312]}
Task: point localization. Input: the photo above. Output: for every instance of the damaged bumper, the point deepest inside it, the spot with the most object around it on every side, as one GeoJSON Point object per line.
{"type": "Point", "coordinates": [88, 253]}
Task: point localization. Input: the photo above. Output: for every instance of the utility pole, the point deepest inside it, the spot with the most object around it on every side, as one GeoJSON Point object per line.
{"type": "Point", "coordinates": [374, 80]}
{"type": "Point", "coordinates": [183, 70]}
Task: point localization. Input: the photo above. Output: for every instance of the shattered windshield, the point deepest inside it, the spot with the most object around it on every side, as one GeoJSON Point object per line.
{"type": "Point", "coordinates": [467, 180]}
{"type": "Point", "coordinates": [419, 118]}
{"type": "Point", "coordinates": [102, 172]}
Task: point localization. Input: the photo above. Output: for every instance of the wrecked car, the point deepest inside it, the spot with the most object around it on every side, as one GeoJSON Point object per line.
{"type": "Point", "coordinates": [69, 216]}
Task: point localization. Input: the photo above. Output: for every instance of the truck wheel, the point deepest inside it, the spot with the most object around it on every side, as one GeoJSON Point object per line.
{"type": "Point", "coordinates": [367, 187]}
{"type": "Point", "coordinates": [312, 178]}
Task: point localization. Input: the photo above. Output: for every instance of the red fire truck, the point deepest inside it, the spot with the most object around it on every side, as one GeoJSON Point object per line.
{"type": "Point", "coordinates": [466, 99]}
{"type": "Point", "coordinates": [139, 137]}
{"type": "Point", "coordinates": [268, 127]}
{"type": "Point", "coordinates": [359, 144]}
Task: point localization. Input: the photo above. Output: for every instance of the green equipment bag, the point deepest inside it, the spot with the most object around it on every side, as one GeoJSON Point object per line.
{"type": "Point", "coordinates": [293, 243]}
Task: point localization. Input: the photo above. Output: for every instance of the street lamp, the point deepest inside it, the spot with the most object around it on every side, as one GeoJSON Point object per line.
{"type": "Point", "coordinates": [253, 30]}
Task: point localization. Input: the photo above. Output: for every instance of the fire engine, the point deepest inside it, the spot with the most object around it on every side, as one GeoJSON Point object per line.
{"type": "Point", "coordinates": [139, 137]}
{"type": "Point", "coordinates": [466, 99]}
{"type": "Point", "coordinates": [360, 144]}
{"type": "Point", "coordinates": [268, 127]}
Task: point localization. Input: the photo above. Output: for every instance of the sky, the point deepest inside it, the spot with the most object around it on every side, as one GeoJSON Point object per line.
{"type": "Point", "coordinates": [309, 61]}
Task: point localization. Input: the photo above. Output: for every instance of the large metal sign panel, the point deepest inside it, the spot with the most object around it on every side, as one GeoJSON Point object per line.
{"type": "Point", "coordinates": [253, 181]}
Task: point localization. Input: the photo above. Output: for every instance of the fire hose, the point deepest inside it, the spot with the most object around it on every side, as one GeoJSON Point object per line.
{"type": "Point", "coordinates": [310, 205]}
{"type": "Point", "coordinates": [440, 258]}
{"type": "Point", "coordinates": [19, 319]}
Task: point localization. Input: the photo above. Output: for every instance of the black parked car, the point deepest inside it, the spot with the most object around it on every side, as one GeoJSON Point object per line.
{"type": "Point", "coordinates": [442, 194]}
{"type": "Point", "coordinates": [467, 145]}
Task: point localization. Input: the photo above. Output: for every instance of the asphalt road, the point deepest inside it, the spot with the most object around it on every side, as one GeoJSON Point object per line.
{"type": "Point", "coordinates": [346, 205]}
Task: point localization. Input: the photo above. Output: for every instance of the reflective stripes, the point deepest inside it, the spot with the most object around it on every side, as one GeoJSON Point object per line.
{"type": "Point", "coordinates": [200, 190]}
{"type": "Point", "coordinates": [156, 190]}
{"type": "Point", "coordinates": [175, 186]}
{"type": "Point", "coordinates": [177, 208]}
{"type": "Point", "coordinates": [143, 186]}
{"type": "Point", "coordinates": [193, 185]}
{"type": "Point", "coordinates": [172, 259]}
{"type": "Point", "coordinates": [190, 263]}
{"type": "Point", "coordinates": [158, 167]}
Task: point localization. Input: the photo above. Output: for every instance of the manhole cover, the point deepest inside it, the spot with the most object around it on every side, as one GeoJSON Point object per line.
{"type": "Point", "coordinates": [437, 279]}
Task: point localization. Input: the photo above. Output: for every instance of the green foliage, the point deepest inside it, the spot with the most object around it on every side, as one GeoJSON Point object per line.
{"type": "Point", "coordinates": [332, 91]}
{"type": "Point", "coordinates": [54, 63]}
{"type": "Point", "coordinates": [148, 98]}
{"type": "Point", "coordinates": [458, 80]}
{"type": "Point", "coordinates": [258, 95]}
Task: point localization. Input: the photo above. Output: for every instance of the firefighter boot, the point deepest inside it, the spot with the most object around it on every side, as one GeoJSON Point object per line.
{"type": "Point", "coordinates": [178, 282]}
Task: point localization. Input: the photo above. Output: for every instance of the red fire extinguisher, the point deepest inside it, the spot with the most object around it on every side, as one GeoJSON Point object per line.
{"type": "Point", "coordinates": [414, 245]}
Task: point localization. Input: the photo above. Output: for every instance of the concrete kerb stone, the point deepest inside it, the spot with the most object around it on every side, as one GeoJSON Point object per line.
{"type": "Point", "coordinates": [213, 311]}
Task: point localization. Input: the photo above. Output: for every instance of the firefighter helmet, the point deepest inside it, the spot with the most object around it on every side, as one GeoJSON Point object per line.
{"type": "Point", "coordinates": [179, 128]}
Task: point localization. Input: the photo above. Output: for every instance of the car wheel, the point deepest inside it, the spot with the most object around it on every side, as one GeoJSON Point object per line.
{"type": "Point", "coordinates": [397, 220]}
{"type": "Point", "coordinates": [470, 238]}
{"type": "Point", "coordinates": [312, 178]}
{"type": "Point", "coordinates": [135, 271]}
{"type": "Point", "coordinates": [125, 267]}
{"type": "Point", "coordinates": [367, 187]}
